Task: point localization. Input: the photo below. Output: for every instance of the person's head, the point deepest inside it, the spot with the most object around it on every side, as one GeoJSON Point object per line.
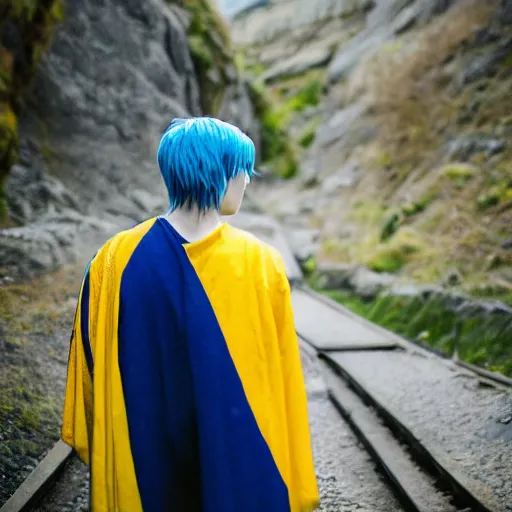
{"type": "Point", "coordinates": [206, 164]}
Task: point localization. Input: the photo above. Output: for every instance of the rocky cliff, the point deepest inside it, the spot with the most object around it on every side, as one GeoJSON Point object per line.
{"type": "Point", "coordinates": [86, 89]}
{"type": "Point", "coordinates": [85, 116]}
{"type": "Point", "coordinates": [399, 112]}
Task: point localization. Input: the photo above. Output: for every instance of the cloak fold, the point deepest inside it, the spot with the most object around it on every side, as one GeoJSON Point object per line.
{"type": "Point", "coordinates": [185, 389]}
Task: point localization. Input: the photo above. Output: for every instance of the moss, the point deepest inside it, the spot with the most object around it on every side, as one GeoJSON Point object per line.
{"type": "Point", "coordinates": [415, 207]}
{"type": "Point", "coordinates": [366, 211]}
{"type": "Point", "coordinates": [210, 48]}
{"type": "Point", "coordinates": [35, 22]}
{"type": "Point", "coordinates": [390, 227]}
{"type": "Point", "coordinates": [458, 172]}
{"type": "Point", "coordinates": [308, 134]}
{"type": "Point", "coordinates": [384, 159]}
{"type": "Point", "coordinates": [307, 138]}
{"type": "Point", "coordinates": [309, 266]}
{"type": "Point", "coordinates": [201, 52]}
{"type": "Point", "coordinates": [387, 259]}
{"type": "Point", "coordinates": [488, 199]}
{"type": "Point", "coordinates": [309, 95]}
{"type": "Point", "coordinates": [285, 165]}
{"type": "Point", "coordinates": [394, 255]}
{"type": "Point", "coordinates": [276, 147]}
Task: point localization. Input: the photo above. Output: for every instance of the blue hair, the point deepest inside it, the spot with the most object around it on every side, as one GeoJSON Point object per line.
{"type": "Point", "coordinates": [198, 157]}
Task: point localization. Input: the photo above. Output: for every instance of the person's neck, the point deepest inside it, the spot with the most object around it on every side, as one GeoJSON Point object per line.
{"type": "Point", "coordinates": [191, 224]}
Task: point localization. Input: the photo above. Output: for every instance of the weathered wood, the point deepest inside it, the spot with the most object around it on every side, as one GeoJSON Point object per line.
{"type": "Point", "coordinates": [326, 329]}
{"type": "Point", "coordinates": [39, 480]}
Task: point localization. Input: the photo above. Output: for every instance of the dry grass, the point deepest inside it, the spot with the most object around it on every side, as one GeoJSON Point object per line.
{"type": "Point", "coordinates": [21, 304]}
{"type": "Point", "coordinates": [407, 82]}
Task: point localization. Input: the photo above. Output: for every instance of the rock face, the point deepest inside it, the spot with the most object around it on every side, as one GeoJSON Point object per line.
{"type": "Point", "coordinates": [118, 72]}
{"type": "Point", "coordinates": [404, 160]}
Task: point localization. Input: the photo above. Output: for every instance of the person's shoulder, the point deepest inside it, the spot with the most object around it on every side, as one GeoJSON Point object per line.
{"type": "Point", "coordinates": [251, 242]}
{"type": "Point", "coordinates": [254, 246]}
{"type": "Point", "coordinates": [122, 242]}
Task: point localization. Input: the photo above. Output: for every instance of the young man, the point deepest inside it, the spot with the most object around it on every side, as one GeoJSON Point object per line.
{"type": "Point", "coordinates": [185, 389]}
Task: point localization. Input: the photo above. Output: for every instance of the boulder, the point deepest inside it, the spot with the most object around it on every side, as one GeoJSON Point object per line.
{"type": "Point", "coordinates": [464, 147]}
{"type": "Point", "coordinates": [304, 243]}
{"type": "Point", "coordinates": [486, 65]}
{"type": "Point", "coordinates": [506, 14]}
{"type": "Point", "coordinates": [368, 284]}
{"type": "Point", "coordinates": [342, 124]}
{"type": "Point", "coordinates": [334, 276]}
{"type": "Point", "coordinates": [358, 279]}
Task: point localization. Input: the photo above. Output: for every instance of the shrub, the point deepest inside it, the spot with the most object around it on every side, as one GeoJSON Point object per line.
{"type": "Point", "coordinates": [392, 256]}
{"type": "Point", "coordinates": [390, 227]}
{"type": "Point", "coordinates": [309, 95]}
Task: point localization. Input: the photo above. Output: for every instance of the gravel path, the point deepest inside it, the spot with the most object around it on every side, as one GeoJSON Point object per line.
{"type": "Point", "coordinates": [347, 477]}
{"type": "Point", "coordinates": [447, 409]}
{"type": "Point", "coordinates": [35, 327]}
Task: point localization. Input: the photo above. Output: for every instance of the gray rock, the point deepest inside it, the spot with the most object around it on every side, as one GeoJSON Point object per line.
{"type": "Point", "coordinates": [304, 243]}
{"type": "Point", "coordinates": [506, 12]}
{"type": "Point", "coordinates": [31, 194]}
{"type": "Point", "coordinates": [309, 173]}
{"type": "Point", "coordinates": [345, 177]}
{"type": "Point", "coordinates": [148, 203]}
{"type": "Point", "coordinates": [464, 147]}
{"type": "Point", "coordinates": [452, 278]}
{"type": "Point", "coordinates": [118, 72]}
{"type": "Point", "coordinates": [297, 17]}
{"type": "Point", "coordinates": [355, 278]}
{"type": "Point", "coordinates": [368, 284]}
{"type": "Point", "coordinates": [388, 19]}
{"type": "Point", "coordinates": [341, 124]}
{"type": "Point", "coordinates": [334, 276]}
{"type": "Point", "coordinates": [486, 65]}
{"type": "Point", "coordinates": [237, 108]}
{"type": "Point", "coordinates": [424, 291]}
{"type": "Point", "coordinates": [50, 243]}
{"type": "Point", "coordinates": [352, 53]}
{"type": "Point", "coordinates": [307, 58]}
{"type": "Point", "coordinates": [484, 36]}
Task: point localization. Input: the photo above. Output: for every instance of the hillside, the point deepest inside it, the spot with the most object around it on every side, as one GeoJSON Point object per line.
{"type": "Point", "coordinates": [88, 89]}
{"type": "Point", "coordinates": [399, 113]}
{"type": "Point", "coordinates": [85, 92]}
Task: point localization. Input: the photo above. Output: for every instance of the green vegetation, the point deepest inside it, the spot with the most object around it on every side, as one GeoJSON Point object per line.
{"type": "Point", "coordinates": [276, 107]}
{"type": "Point", "coordinates": [390, 227]}
{"type": "Point", "coordinates": [35, 21]}
{"type": "Point", "coordinates": [276, 147]}
{"type": "Point", "coordinates": [391, 256]}
{"type": "Point", "coordinates": [459, 171]}
{"type": "Point", "coordinates": [308, 134]}
{"type": "Point", "coordinates": [415, 207]}
{"type": "Point", "coordinates": [308, 95]}
{"type": "Point", "coordinates": [480, 339]}
{"type": "Point", "coordinates": [309, 266]}
{"type": "Point", "coordinates": [210, 48]}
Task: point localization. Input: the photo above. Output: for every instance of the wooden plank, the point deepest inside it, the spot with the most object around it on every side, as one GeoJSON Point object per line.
{"type": "Point", "coordinates": [38, 481]}
{"type": "Point", "coordinates": [327, 329]}
{"type": "Point", "coordinates": [474, 494]}
{"type": "Point", "coordinates": [414, 489]}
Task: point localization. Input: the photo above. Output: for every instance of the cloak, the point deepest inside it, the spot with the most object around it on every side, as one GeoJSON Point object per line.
{"type": "Point", "coordinates": [185, 389]}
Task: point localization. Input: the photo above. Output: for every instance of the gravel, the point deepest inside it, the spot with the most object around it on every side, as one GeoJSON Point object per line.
{"type": "Point", "coordinates": [448, 409]}
{"type": "Point", "coordinates": [71, 492]}
{"type": "Point", "coordinates": [347, 478]}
